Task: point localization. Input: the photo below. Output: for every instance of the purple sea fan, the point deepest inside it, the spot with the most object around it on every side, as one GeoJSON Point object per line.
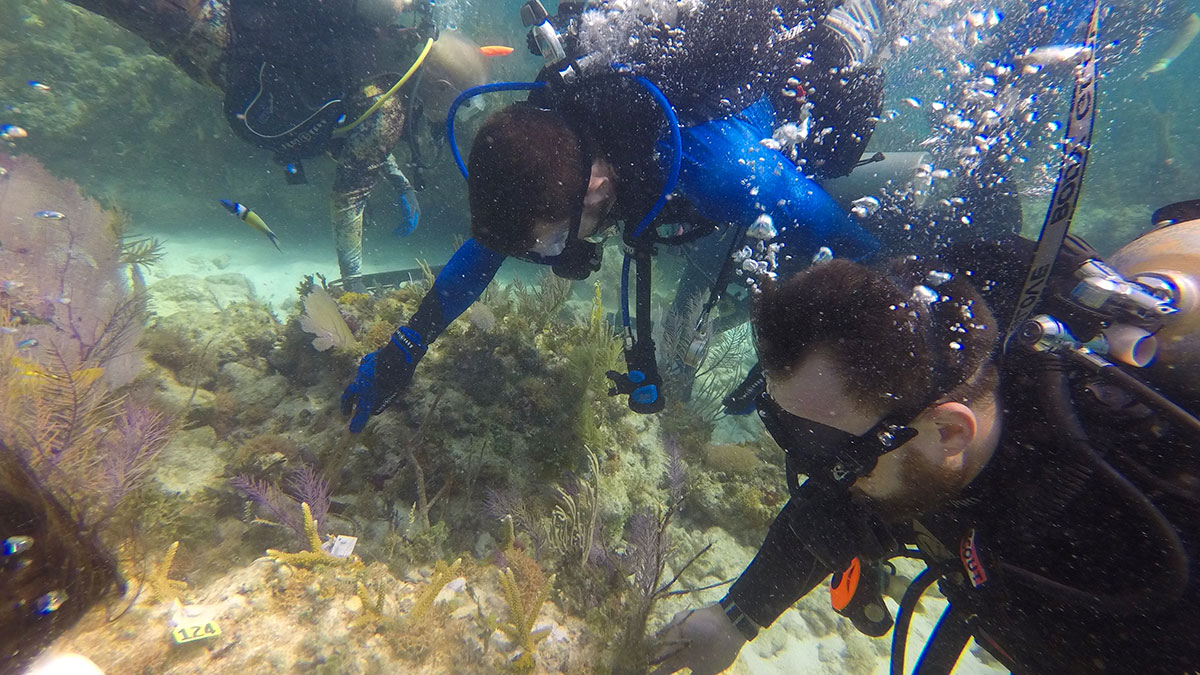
{"type": "Point", "coordinates": [138, 434]}
{"type": "Point", "coordinates": [306, 485]}
{"type": "Point", "coordinates": [282, 508]}
{"type": "Point", "coordinates": [62, 277]}
{"type": "Point", "coordinates": [646, 551]}
{"type": "Point", "coordinates": [310, 487]}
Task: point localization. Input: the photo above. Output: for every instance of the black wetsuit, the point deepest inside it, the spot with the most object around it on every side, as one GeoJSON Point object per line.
{"type": "Point", "coordinates": [1038, 508]}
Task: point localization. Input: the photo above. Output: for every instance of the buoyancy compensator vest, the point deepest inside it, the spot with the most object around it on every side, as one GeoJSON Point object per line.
{"type": "Point", "coordinates": [285, 80]}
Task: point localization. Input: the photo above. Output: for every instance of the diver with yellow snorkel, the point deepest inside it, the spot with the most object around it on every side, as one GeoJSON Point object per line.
{"type": "Point", "coordinates": [307, 77]}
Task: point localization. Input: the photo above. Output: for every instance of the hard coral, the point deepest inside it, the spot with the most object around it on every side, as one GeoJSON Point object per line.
{"type": "Point", "coordinates": [265, 455]}
{"type": "Point", "coordinates": [731, 459]}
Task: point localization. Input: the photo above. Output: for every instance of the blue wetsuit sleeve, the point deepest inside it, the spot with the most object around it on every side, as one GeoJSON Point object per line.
{"type": "Point", "coordinates": [459, 284]}
{"type": "Point", "coordinates": [729, 176]}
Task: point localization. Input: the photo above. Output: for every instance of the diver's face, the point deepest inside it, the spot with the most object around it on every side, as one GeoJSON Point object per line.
{"type": "Point", "coordinates": [906, 481]}
{"type": "Point", "coordinates": [550, 237]}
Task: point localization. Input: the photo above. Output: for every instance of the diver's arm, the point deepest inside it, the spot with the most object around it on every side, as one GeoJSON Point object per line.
{"type": "Point", "coordinates": [383, 375]}
{"type": "Point", "coordinates": [781, 573]}
{"type": "Point", "coordinates": [459, 284]}
{"type": "Point", "coordinates": [1183, 38]}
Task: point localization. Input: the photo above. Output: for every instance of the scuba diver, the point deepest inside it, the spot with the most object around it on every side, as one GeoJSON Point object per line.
{"type": "Point", "coordinates": [719, 118]}
{"type": "Point", "coordinates": [1049, 491]}
{"type": "Point", "coordinates": [303, 78]}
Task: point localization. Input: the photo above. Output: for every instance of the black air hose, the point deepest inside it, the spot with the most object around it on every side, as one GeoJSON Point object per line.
{"type": "Point", "coordinates": [1055, 394]}
{"type": "Point", "coordinates": [908, 604]}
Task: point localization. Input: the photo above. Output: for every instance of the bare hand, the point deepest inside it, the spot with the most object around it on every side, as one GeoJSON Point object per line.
{"type": "Point", "coordinates": [701, 639]}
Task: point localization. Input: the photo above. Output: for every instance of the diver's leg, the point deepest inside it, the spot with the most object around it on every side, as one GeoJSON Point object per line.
{"type": "Point", "coordinates": [702, 266]}
{"type": "Point", "coordinates": [359, 163]}
{"type": "Point", "coordinates": [194, 34]}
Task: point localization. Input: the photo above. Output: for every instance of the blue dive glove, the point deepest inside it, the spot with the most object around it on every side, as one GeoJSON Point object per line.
{"type": "Point", "coordinates": [410, 212]}
{"type": "Point", "coordinates": [381, 376]}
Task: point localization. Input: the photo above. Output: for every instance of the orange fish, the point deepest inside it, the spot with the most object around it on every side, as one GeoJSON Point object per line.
{"type": "Point", "coordinates": [496, 50]}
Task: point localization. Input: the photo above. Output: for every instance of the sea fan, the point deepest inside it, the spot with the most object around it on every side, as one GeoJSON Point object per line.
{"type": "Point", "coordinates": [306, 485]}
{"type": "Point", "coordinates": [322, 318]}
{"type": "Point", "coordinates": [135, 438]}
{"type": "Point", "coordinates": [61, 274]}
{"type": "Point", "coordinates": [310, 487]}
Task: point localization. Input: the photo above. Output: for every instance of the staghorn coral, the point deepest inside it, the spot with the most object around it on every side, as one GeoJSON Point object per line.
{"type": "Point", "coordinates": [525, 594]}
{"type": "Point", "coordinates": [159, 583]}
{"type": "Point", "coordinates": [442, 575]}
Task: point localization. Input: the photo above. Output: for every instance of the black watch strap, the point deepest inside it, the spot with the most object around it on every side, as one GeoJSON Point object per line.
{"type": "Point", "coordinates": [738, 618]}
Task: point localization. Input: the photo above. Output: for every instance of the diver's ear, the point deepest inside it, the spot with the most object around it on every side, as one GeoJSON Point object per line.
{"type": "Point", "coordinates": [599, 189]}
{"type": "Point", "coordinates": [956, 427]}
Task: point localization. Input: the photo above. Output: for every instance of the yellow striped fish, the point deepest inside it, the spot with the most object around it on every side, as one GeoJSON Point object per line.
{"type": "Point", "coordinates": [252, 219]}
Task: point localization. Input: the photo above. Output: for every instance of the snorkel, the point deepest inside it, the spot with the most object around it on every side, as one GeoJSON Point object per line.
{"type": "Point", "coordinates": [642, 381]}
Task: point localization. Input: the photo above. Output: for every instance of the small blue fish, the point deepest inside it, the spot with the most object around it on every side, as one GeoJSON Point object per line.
{"type": "Point", "coordinates": [50, 602]}
{"type": "Point", "coordinates": [27, 343]}
{"type": "Point", "coordinates": [39, 85]}
{"type": "Point", "coordinates": [11, 132]}
{"type": "Point", "coordinates": [50, 215]}
{"type": "Point", "coordinates": [16, 545]}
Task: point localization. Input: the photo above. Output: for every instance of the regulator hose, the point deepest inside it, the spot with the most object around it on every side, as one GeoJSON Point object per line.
{"type": "Point", "coordinates": [1162, 589]}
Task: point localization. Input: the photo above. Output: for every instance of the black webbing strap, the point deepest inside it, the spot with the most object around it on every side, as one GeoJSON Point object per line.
{"type": "Point", "coordinates": [1076, 146]}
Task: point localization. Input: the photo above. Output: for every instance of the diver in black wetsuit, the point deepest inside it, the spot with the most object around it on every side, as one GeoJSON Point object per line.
{"type": "Point", "coordinates": [1055, 499]}
{"type": "Point", "coordinates": [307, 77]}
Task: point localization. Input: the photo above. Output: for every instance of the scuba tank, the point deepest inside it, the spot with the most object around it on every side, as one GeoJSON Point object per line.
{"type": "Point", "coordinates": [904, 173]}
{"type": "Point", "coordinates": [1168, 258]}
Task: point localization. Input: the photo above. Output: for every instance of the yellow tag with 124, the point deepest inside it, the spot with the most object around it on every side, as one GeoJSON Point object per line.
{"type": "Point", "coordinates": [194, 632]}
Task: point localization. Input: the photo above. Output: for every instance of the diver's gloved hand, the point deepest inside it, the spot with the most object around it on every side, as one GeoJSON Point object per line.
{"type": "Point", "coordinates": [381, 376]}
{"type": "Point", "coordinates": [410, 212]}
{"type": "Point", "coordinates": [704, 640]}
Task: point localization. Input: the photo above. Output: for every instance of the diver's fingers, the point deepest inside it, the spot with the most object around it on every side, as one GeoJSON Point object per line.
{"type": "Point", "coordinates": [664, 633]}
{"type": "Point", "coordinates": [361, 416]}
{"type": "Point", "coordinates": [666, 651]}
{"type": "Point", "coordinates": [348, 398]}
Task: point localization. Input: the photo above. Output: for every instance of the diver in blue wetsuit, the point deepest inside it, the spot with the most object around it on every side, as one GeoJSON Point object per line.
{"type": "Point", "coordinates": [688, 114]}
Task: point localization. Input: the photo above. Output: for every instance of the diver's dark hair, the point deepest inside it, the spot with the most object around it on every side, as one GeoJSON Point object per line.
{"type": "Point", "coordinates": [525, 165]}
{"type": "Point", "coordinates": [893, 350]}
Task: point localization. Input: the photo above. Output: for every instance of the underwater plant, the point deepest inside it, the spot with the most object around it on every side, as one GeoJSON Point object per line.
{"type": "Point", "coordinates": [303, 510]}
{"type": "Point", "coordinates": [142, 253]}
{"type": "Point", "coordinates": [648, 552]}
{"type": "Point", "coordinates": [572, 526]}
{"type": "Point", "coordinates": [70, 320]}
{"type": "Point", "coordinates": [722, 369]}
{"type": "Point", "coordinates": [541, 302]}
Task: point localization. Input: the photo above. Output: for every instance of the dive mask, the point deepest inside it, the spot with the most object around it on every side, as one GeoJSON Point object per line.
{"type": "Point", "coordinates": [816, 449]}
{"type": "Point", "coordinates": [576, 258]}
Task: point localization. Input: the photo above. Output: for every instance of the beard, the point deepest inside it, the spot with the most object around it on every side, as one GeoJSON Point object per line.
{"type": "Point", "coordinates": [922, 488]}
